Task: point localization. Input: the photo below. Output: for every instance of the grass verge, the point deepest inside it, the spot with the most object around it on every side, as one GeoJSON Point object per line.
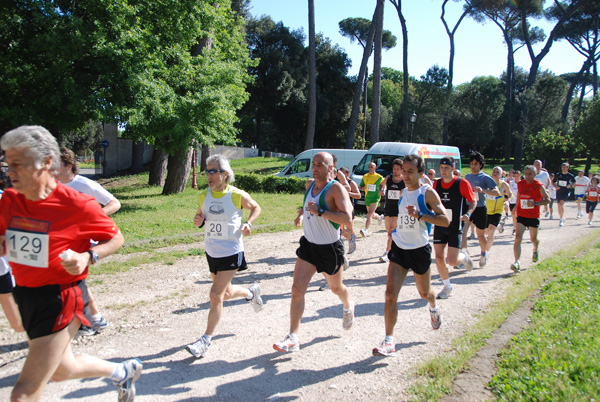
{"type": "Point", "coordinates": [435, 376]}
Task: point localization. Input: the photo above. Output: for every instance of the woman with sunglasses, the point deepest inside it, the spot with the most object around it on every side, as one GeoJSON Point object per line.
{"type": "Point", "coordinates": [220, 212]}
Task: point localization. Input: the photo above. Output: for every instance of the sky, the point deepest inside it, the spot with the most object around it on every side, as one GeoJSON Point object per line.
{"type": "Point", "coordinates": [480, 49]}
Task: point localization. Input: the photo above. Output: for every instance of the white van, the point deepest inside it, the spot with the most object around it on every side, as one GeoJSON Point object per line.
{"type": "Point", "coordinates": [384, 153]}
{"type": "Point", "coordinates": [300, 166]}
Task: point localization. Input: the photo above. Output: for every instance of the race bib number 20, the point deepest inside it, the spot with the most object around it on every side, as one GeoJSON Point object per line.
{"type": "Point", "coordinates": [216, 230]}
{"type": "Point", "coordinates": [27, 242]}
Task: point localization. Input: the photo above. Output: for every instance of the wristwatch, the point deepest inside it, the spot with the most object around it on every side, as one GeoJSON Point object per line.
{"type": "Point", "coordinates": [93, 256]}
{"type": "Point", "coordinates": [321, 211]}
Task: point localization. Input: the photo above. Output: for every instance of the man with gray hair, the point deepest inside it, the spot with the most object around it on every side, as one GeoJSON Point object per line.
{"type": "Point", "coordinates": [531, 194]}
{"type": "Point", "coordinates": [48, 227]}
{"type": "Point", "coordinates": [220, 212]}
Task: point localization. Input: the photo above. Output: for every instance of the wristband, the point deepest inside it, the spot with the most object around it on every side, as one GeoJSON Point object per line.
{"type": "Point", "coordinates": [535, 204]}
{"type": "Point", "coordinates": [248, 223]}
{"type": "Point", "coordinates": [321, 211]}
{"type": "Point", "coordinates": [468, 215]}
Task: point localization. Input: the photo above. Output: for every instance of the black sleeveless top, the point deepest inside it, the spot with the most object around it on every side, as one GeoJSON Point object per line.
{"type": "Point", "coordinates": [452, 199]}
{"type": "Point", "coordinates": [392, 195]}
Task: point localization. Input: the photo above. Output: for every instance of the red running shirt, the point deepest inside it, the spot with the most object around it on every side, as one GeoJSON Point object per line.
{"type": "Point", "coordinates": [528, 191]}
{"type": "Point", "coordinates": [38, 231]}
{"type": "Point", "coordinates": [592, 194]}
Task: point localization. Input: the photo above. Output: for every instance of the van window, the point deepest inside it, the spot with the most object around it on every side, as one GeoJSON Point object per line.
{"type": "Point", "coordinates": [300, 166]}
{"type": "Point", "coordinates": [383, 162]}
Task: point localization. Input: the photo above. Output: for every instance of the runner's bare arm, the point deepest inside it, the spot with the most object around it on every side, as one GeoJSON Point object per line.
{"type": "Point", "coordinates": [77, 262]}
{"type": "Point", "coordinates": [113, 206]}
{"type": "Point", "coordinates": [339, 203]}
{"type": "Point", "coordinates": [355, 192]}
{"type": "Point", "coordinates": [432, 199]}
{"type": "Point", "coordinates": [199, 217]}
{"type": "Point", "coordinates": [249, 203]}
{"type": "Point", "coordinates": [341, 177]}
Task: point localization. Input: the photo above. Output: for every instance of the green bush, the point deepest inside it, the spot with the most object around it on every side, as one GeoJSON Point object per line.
{"type": "Point", "coordinates": [269, 184]}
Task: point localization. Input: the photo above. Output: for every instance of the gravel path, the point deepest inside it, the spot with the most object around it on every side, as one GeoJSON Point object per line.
{"type": "Point", "coordinates": [155, 310]}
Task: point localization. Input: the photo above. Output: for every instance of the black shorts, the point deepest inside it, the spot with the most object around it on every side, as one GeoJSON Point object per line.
{"type": "Point", "coordinates": [512, 206]}
{"type": "Point", "coordinates": [6, 283]}
{"type": "Point", "coordinates": [479, 217]}
{"type": "Point", "coordinates": [451, 237]}
{"type": "Point", "coordinates": [493, 220]}
{"type": "Point", "coordinates": [529, 222]}
{"type": "Point", "coordinates": [328, 258]}
{"type": "Point", "coordinates": [418, 259]}
{"type": "Point", "coordinates": [590, 206]}
{"type": "Point", "coordinates": [562, 194]}
{"type": "Point", "coordinates": [48, 309]}
{"type": "Point", "coordinates": [230, 263]}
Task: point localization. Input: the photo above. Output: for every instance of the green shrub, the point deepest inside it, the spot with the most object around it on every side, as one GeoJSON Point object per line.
{"type": "Point", "coordinates": [269, 184]}
{"type": "Point", "coordinates": [249, 182]}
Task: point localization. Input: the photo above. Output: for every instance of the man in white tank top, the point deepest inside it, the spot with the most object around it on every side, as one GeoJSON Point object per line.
{"type": "Point", "coordinates": [326, 206]}
{"type": "Point", "coordinates": [419, 205]}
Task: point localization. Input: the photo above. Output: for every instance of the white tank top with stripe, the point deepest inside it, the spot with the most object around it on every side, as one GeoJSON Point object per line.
{"type": "Point", "coordinates": [317, 229]}
{"type": "Point", "coordinates": [411, 233]}
{"type": "Point", "coordinates": [222, 234]}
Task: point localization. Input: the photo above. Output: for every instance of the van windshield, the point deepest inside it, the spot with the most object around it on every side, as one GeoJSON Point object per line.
{"type": "Point", "coordinates": [383, 162]}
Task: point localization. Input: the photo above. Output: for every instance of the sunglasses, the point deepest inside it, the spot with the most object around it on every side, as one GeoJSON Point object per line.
{"type": "Point", "coordinates": [213, 171]}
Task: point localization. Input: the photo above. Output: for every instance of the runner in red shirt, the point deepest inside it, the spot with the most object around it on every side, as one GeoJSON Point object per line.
{"type": "Point", "coordinates": [45, 231]}
{"type": "Point", "coordinates": [591, 198]}
{"type": "Point", "coordinates": [531, 194]}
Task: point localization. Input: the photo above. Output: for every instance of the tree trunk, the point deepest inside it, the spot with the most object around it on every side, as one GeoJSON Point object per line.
{"type": "Point", "coordinates": [510, 85]}
{"type": "Point", "coordinates": [158, 168]}
{"type": "Point", "coordinates": [585, 67]}
{"type": "Point", "coordinates": [533, 70]}
{"type": "Point", "coordinates": [137, 156]}
{"type": "Point", "coordinates": [449, 87]}
{"type": "Point", "coordinates": [365, 96]}
{"type": "Point", "coordinates": [359, 82]}
{"type": "Point", "coordinates": [205, 155]}
{"type": "Point", "coordinates": [376, 105]}
{"type": "Point", "coordinates": [178, 171]}
{"type": "Point", "coordinates": [312, 79]}
{"type": "Point", "coordinates": [398, 5]}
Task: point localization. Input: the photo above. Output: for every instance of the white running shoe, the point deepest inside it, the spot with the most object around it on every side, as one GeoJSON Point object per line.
{"type": "Point", "coordinates": [501, 225]}
{"type": "Point", "coordinates": [515, 266]}
{"type": "Point", "coordinates": [384, 258]}
{"type": "Point", "coordinates": [346, 263]}
{"type": "Point", "coordinates": [436, 318]}
{"type": "Point", "coordinates": [385, 349]}
{"type": "Point", "coordinates": [562, 222]}
{"type": "Point", "coordinates": [467, 261]}
{"type": "Point", "coordinates": [352, 244]}
{"type": "Point", "coordinates": [445, 293]}
{"type": "Point", "coordinates": [381, 218]}
{"type": "Point", "coordinates": [126, 387]}
{"type": "Point", "coordinates": [199, 348]}
{"type": "Point", "coordinates": [551, 217]}
{"type": "Point", "coordinates": [348, 319]}
{"type": "Point", "coordinates": [363, 232]}
{"type": "Point", "coordinates": [483, 259]}
{"type": "Point", "coordinates": [256, 301]}
{"type": "Point", "coordinates": [288, 345]}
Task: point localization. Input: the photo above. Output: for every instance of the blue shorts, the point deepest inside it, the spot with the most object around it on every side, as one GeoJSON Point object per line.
{"type": "Point", "coordinates": [579, 196]}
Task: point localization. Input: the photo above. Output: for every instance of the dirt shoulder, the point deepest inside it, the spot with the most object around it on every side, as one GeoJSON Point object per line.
{"type": "Point", "coordinates": [155, 310]}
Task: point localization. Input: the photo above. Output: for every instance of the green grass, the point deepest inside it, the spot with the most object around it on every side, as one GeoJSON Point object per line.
{"type": "Point", "coordinates": [435, 376]}
{"type": "Point", "coordinates": [557, 357]}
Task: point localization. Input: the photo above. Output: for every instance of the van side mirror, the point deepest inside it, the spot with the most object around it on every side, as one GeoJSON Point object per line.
{"type": "Point", "coordinates": [353, 168]}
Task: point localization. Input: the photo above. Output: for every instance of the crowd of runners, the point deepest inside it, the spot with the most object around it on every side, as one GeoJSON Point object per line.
{"type": "Point", "coordinates": [55, 223]}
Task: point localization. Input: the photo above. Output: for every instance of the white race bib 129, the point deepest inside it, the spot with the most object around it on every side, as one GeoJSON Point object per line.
{"type": "Point", "coordinates": [562, 183]}
{"type": "Point", "coordinates": [27, 248]}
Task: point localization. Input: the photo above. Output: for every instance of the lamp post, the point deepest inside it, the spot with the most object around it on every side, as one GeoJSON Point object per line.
{"type": "Point", "coordinates": [413, 120]}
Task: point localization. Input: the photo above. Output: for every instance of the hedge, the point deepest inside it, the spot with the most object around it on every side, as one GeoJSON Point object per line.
{"type": "Point", "coordinates": [255, 183]}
